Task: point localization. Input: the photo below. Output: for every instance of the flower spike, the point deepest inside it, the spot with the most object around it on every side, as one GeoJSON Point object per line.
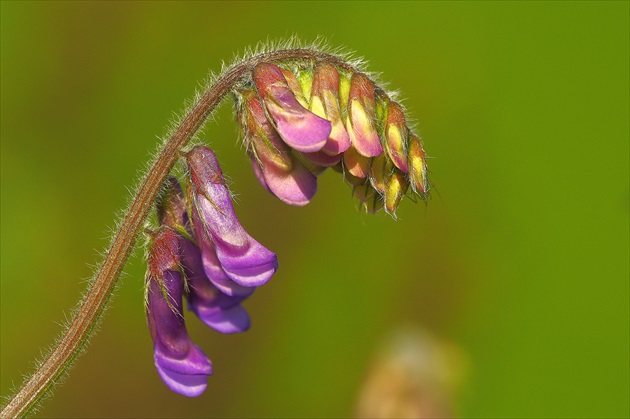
{"type": "Point", "coordinates": [301, 110]}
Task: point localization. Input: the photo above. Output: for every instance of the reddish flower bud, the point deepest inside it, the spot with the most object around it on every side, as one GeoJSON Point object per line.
{"type": "Point", "coordinates": [172, 209]}
{"type": "Point", "coordinates": [396, 135]}
{"type": "Point", "coordinates": [325, 103]}
{"type": "Point", "coordinates": [361, 116]}
{"type": "Point", "coordinates": [300, 129]}
{"type": "Point", "coordinates": [357, 164]}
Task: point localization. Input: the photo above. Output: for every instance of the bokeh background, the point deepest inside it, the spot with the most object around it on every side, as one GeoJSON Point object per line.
{"type": "Point", "coordinates": [519, 262]}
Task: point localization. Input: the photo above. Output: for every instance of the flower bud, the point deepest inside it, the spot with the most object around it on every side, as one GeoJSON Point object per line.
{"type": "Point", "coordinates": [396, 134]}
{"type": "Point", "coordinates": [181, 364]}
{"type": "Point", "coordinates": [325, 103]}
{"type": "Point", "coordinates": [378, 172]}
{"type": "Point", "coordinates": [363, 192]}
{"type": "Point", "coordinates": [300, 129]}
{"type": "Point", "coordinates": [373, 204]}
{"type": "Point", "coordinates": [294, 86]}
{"type": "Point", "coordinates": [355, 163]}
{"type": "Point", "coordinates": [285, 177]}
{"type": "Point", "coordinates": [171, 209]}
{"type": "Point", "coordinates": [418, 167]}
{"type": "Point", "coordinates": [395, 189]}
{"type": "Point", "coordinates": [361, 116]}
{"type": "Point", "coordinates": [322, 159]}
{"type": "Point", "coordinates": [242, 258]}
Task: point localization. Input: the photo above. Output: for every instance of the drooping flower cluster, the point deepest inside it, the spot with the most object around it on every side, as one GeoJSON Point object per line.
{"type": "Point", "coordinates": [202, 252]}
{"type": "Point", "coordinates": [298, 121]}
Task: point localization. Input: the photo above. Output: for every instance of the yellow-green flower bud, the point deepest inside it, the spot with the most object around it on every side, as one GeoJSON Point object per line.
{"type": "Point", "coordinates": [396, 187]}
{"type": "Point", "coordinates": [418, 167]}
{"type": "Point", "coordinates": [362, 117]}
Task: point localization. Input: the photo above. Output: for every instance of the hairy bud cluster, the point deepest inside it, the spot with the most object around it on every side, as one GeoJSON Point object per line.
{"type": "Point", "coordinates": [298, 121]}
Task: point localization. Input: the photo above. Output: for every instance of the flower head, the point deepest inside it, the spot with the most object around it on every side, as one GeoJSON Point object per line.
{"type": "Point", "coordinates": [300, 129]}
{"type": "Point", "coordinates": [299, 119]}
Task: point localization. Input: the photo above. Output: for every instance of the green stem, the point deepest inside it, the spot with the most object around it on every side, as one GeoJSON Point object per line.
{"type": "Point", "coordinates": [90, 309]}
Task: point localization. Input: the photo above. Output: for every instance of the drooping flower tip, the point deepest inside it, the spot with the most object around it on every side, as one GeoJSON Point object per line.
{"type": "Point", "coordinates": [282, 116]}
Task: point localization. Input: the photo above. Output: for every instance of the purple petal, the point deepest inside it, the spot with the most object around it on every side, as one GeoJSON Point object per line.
{"type": "Point", "coordinates": [235, 249]}
{"type": "Point", "coordinates": [216, 309]}
{"type": "Point", "coordinates": [215, 272]}
{"type": "Point", "coordinates": [298, 127]}
{"type": "Point", "coordinates": [241, 273]}
{"type": "Point", "coordinates": [176, 357]}
{"type": "Point", "coordinates": [296, 187]}
{"type": "Point", "coordinates": [233, 320]}
{"type": "Point", "coordinates": [184, 384]}
{"type": "Point", "coordinates": [204, 263]}
{"type": "Point", "coordinates": [320, 158]}
{"type": "Point", "coordinates": [195, 361]}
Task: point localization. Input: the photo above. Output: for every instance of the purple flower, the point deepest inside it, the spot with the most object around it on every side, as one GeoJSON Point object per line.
{"type": "Point", "coordinates": [243, 259]}
{"type": "Point", "coordinates": [217, 310]}
{"type": "Point", "coordinates": [180, 363]}
{"type": "Point", "coordinates": [280, 172]}
{"type": "Point", "coordinates": [300, 129]}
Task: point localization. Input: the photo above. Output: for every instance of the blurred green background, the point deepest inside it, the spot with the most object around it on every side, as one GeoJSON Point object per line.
{"type": "Point", "coordinates": [520, 259]}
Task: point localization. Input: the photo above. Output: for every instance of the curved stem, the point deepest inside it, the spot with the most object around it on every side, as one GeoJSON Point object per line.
{"type": "Point", "coordinates": [75, 337]}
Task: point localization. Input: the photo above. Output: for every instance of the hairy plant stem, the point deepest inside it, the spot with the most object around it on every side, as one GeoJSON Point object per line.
{"type": "Point", "coordinates": [75, 337]}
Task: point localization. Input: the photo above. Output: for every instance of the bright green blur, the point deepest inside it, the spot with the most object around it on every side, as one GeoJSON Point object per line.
{"type": "Point", "coordinates": [520, 258]}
